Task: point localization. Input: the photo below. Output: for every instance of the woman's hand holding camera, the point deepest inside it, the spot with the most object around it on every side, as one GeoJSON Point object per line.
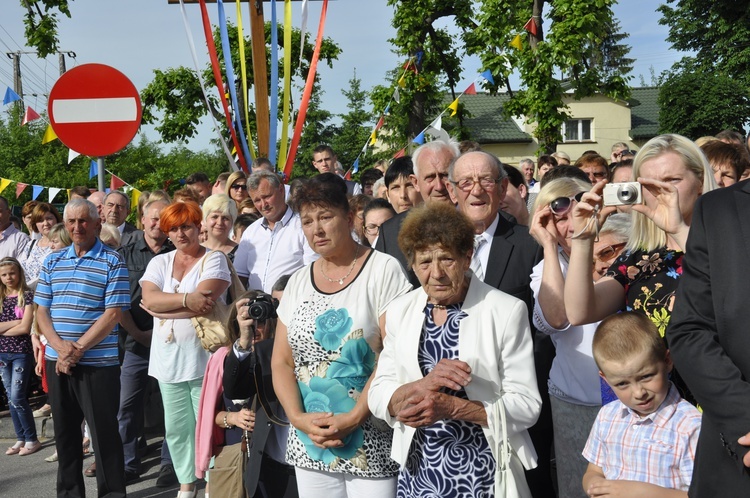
{"type": "Point", "coordinates": [662, 206]}
{"type": "Point", "coordinates": [591, 203]}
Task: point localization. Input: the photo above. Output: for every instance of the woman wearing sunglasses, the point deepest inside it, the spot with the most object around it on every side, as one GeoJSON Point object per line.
{"type": "Point", "coordinates": [237, 187]}
{"type": "Point", "coordinates": [573, 379]}
{"type": "Point", "coordinates": [673, 173]}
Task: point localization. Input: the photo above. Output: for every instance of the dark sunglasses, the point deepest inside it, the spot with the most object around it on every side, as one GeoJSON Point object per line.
{"type": "Point", "coordinates": [239, 186]}
{"type": "Point", "coordinates": [562, 205]}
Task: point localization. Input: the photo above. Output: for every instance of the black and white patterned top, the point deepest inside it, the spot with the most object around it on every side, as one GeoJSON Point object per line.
{"type": "Point", "coordinates": [450, 457]}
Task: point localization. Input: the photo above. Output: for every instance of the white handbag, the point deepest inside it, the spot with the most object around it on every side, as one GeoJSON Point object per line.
{"type": "Point", "coordinates": [510, 480]}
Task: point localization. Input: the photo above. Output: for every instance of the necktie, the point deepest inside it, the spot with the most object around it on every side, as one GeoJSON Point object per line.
{"type": "Point", "coordinates": [476, 264]}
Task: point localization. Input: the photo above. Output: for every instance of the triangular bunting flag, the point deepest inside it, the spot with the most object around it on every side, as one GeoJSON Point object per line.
{"type": "Point", "coordinates": [438, 123]}
{"type": "Point", "coordinates": [20, 187]}
{"type": "Point", "coordinates": [93, 169]}
{"type": "Point", "coordinates": [488, 76]}
{"type": "Point", "coordinates": [4, 182]}
{"type": "Point", "coordinates": [400, 153]}
{"type": "Point", "coordinates": [355, 166]}
{"type": "Point", "coordinates": [381, 121]}
{"type": "Point", "coordinates": [530, 26]}
{"type": "Point", "coordinates": [373, 137]}
{"type": "Point", "coordinates": [453, 107]}
{"type": "Point", "coordinates": [10, 96]}
{"type": "Point", "coordinates": [396, 96]}
{"type": "Point", "coordinates": [36, 190]}
{"type": "Point", "coordinates": [135, 194]}
{"type": "Point", "coordinates": [471, 90]}
{"type": "Point", "coordinates": [29, 116]}
{"type": "Point", "coordinates": [115, 183]}
{"type": "Point", "coordinates": [68, 192]}
{"type": "Point", "coordinates": [72, 155]}
{"type": "Point", "coordinates": [402, 81]}
{"type": "Point", "coordinates": [348, 174]}
{"type": "Point", "coordinates": [517, 43]}
{"type": "Point", "coordinates": [49, 135]}
{"type": "Point", "coordinates": [387, 110]}
{"type": "Point", "coordinates": [419, 139]}
{"type": "Point", "coordinates": [53, 193]}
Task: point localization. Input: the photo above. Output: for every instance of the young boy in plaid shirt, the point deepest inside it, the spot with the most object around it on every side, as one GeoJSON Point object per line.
{"type": "Point", "coordinates": [644, 443]}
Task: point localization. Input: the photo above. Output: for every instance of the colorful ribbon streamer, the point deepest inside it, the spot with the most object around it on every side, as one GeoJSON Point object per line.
{"type": "Point", "coordinates": [274, 118]}
{"type": "Point", "coordinates": [306, 95]}
{"type": "Point", "coordinates": [243, 69]}
{"type": "Point", "coordinates": [194, 55]}
{"type": "Point", "coordinates": [287, 79]}
{"type": "Point", "coordinates": [229, 68]}
{"type": "Point", "coordinates": [219, 83]}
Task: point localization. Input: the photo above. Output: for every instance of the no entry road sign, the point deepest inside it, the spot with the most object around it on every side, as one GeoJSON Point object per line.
{"type": "Point", "coordinates": [94, 109]}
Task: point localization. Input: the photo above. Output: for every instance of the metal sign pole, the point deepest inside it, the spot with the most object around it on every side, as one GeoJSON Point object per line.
{"type": "Point", "coordinates": [100, 165]}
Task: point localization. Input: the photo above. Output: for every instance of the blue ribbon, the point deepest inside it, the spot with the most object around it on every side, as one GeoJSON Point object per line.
{"type": "Point", "coordinates": [230, 76]}
{"type": "Point", "coordinates": [274, 85]}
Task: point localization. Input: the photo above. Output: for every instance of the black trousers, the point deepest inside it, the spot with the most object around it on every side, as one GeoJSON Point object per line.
{"type": "Point", "coordinates": [93, 393]}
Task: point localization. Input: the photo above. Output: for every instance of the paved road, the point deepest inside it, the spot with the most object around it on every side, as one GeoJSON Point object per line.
{"type": "Point", "coordinates": [30, 476]}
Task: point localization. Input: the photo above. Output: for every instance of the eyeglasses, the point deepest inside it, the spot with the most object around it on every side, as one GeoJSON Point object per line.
{"type": "Point", "coordinates": [372, 230]}
{"type": "Point", "coordinates": [562, 205]}
{"type": "Point", "coordinates": [467, 184]}
{"type": "Point", "coordinates": [239, 186]}
{"type": "Point", "coordinates": [609, 252]}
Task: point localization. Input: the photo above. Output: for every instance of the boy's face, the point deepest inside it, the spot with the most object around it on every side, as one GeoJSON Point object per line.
{"type": "Point", "coordinates": [640, 382]}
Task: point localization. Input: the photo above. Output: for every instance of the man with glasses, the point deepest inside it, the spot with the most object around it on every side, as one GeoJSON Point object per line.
{"type": "Point", "coordinates": [504, 257]}
{"type": "Point", "coordinates": [116, 210]}
{"type": "Point", "coordinates": [430, 178]}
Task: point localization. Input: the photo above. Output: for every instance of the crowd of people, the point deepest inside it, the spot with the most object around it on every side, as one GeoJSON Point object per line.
{"type": "Point", "coordinates": [449, 326]}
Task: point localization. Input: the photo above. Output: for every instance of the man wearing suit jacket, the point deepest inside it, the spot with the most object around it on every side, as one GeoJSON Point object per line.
{"type": "Point", "coordinates": [430, 179]}
{"type": "Point", "coordinates": [709, 341]}
{"type": "Point", "coordinates": [504, 257]}
{"type": "Point", "coordinates": [116, 208]}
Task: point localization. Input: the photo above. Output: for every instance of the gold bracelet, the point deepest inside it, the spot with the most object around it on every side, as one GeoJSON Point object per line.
{"type": "Point", "coordinates": [184, 300]}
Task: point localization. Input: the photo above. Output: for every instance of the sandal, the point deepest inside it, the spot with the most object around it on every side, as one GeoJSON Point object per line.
{"type": "Point", "coordinates": [28, 450]}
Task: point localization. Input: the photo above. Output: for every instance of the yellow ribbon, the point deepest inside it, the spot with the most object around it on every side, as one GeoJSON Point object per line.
{"type": "Point", "coordinates": [287, 81]}
{"type": "Point", "coordinates": [243, 71]}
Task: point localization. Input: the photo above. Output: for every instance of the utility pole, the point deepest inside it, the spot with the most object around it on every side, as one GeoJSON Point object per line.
{"type": "Point", "coordinates": [17, 84]}
{"type": "Point", "coordinates": [61, 59]}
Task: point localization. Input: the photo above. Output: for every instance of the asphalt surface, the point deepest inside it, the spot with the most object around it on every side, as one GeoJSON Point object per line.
{"type": "Point", "coordinates": [31, 476]}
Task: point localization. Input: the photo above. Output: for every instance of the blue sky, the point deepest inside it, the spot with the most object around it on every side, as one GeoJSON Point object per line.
{"type": "Point", "coordinates": [138, 36]}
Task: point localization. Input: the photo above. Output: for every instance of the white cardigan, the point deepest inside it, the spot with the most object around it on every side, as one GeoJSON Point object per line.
{"type": "Point", "coordinates": [494, 339]}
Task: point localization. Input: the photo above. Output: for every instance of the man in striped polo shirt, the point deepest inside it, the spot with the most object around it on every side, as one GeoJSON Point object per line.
{"type": "Point", "coordinates": [81, 293]}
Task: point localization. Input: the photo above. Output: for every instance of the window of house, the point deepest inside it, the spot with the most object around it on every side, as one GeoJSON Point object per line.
{"type": "Point", "coordinates": [577, 130]}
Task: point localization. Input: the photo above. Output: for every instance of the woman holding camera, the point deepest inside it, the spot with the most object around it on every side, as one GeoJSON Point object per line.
{"type": "Point", "coordinates": [329, 334]}
{"type": "Point", "coordinates": [673, 173]}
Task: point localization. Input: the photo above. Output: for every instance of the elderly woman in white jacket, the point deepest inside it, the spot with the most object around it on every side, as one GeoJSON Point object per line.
{"type": "Point", "coordinates": [457, 353]}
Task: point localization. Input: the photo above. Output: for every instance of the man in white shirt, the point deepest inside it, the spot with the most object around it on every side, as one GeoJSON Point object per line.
{"type": "Point", "coordinates": [275, 244]}
{"type": "Point", "coordinates": [12, 241]}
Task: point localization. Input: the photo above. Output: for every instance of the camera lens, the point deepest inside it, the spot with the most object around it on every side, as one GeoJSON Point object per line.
{"type": "Point", "coordinates": [261, 310]}
{"type": "Point", "coordinates": [627, 194]}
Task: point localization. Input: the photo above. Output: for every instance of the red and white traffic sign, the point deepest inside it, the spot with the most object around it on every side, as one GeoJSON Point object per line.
{"type": "Point", "coordinates": [94, 109]}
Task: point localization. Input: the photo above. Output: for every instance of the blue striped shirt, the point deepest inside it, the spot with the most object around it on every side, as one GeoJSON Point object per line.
{"type": "Point", "coordinates": [77, 291]}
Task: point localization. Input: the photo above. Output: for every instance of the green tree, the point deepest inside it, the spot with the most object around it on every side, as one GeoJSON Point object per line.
{"type": "Point", "coordinates": [40, 24]}
{"type": "Point", "coordinates": [697, 103]}
{"type": "Point", "coordinates": [356, 124]}
{"type": "Point", "coordinates": [174, 101]}
{"type": "Point", "coordinates": [583, 46]}
{"type": "Point", "coordinates": [717, 31]}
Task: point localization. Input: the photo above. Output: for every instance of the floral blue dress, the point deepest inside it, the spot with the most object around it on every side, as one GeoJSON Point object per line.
{"type": "Point", "coordinates": [450, 457]}
{"type": "Point", "coordinates": [333, 337]}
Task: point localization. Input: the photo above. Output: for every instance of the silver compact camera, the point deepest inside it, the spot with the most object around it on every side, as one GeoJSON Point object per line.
{"type": "Point", "coordinates": [622, 194]}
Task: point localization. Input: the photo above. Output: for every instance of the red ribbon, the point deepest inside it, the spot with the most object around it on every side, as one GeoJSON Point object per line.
{"type": "Point", "coordinates": [220, 83]}
{"type": "Point", "coordinates": [306, 95]}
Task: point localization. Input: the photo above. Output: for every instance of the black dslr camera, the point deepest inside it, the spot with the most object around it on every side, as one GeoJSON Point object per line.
{"type": "Point", "coordinates": [262, 308]}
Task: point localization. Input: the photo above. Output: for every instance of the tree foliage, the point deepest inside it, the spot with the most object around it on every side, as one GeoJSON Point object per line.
{"type": "Point", "coordinates": [40, 23]}
{"type": "Point", "coordinates": [582, 52]}
{"type": "Point", "coordinates": [174, 101]}
{"type": "Point", "coordinates": [717, 31]}
{"type": "Point", "coordinates": [697, 103]}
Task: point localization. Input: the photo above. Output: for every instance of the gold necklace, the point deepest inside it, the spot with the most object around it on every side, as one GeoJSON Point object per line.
{"type": "Point", "coordinates": [341, 280]}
